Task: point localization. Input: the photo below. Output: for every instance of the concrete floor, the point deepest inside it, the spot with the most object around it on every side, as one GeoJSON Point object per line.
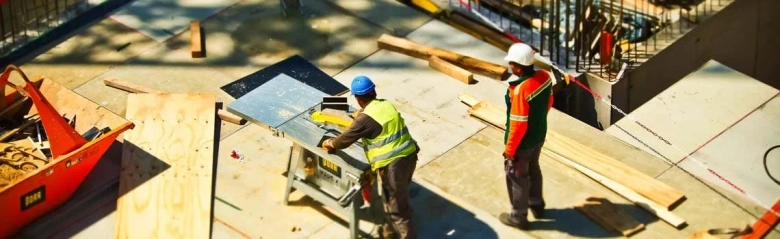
{"type": "Point", "coordinates": [458, 188]}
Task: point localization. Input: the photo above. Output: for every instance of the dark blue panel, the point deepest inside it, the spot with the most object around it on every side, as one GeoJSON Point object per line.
{"type": "Point", "coordinates": [294, 66]}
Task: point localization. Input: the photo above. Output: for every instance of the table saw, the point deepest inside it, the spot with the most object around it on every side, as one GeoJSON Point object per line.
{"type": "Point", "coordinates": [284, 105]}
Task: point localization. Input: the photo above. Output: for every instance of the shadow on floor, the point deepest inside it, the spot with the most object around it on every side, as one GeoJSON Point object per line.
{"type": "Point", "coordinates": [434, 216]}
{"type": "Point", "coordinates": [574, 223]}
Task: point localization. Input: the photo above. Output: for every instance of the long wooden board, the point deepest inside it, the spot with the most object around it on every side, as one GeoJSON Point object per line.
{"type": "Point", "coordinates": [639, 200]}
{"type": "Point", "coordinates": [424, 52]}
{"type": "Point", "coordinates": [609, 216]}
{"type": "Point", "coordinates": [643, 184]}
{"type": "Point", "coordinates": [165, 182]}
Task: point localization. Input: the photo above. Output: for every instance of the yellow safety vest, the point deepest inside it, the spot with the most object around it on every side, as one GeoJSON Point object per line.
{"type": "Point", "coordinates": [394, 141]}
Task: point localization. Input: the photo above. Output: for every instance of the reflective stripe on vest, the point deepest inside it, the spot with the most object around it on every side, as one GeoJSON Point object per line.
{"type": "Point", "coordinates": [394, 141]}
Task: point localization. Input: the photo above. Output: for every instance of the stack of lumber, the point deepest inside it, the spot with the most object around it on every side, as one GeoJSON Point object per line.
{"type": "Point", "coordinates": [639, 188]}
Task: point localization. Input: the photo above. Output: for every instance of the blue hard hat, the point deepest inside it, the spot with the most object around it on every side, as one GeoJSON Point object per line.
{"type": "Point", "coordinates": [362, 85]}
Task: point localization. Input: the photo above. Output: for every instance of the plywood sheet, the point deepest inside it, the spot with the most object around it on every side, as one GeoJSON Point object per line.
{"type": "Point", "coordinates": [692, 111]}
{"type": "Point", "coordinates": [738, 155]}
{"type": "Point", "coordinates": [165, 184]}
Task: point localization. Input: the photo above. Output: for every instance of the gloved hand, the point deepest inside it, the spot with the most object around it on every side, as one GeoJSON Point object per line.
{"type": "Point", "coordinates": [327, 145]}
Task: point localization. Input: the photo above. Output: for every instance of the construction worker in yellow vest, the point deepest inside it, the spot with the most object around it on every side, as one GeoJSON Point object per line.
{"type": "Point", "coordinates": [390, 149]}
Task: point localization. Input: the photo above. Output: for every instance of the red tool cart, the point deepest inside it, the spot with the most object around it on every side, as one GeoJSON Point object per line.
{"type": "Point", "coordinates": [45, 187]}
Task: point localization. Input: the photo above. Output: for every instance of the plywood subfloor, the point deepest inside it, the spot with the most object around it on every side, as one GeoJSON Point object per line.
{"type": "Point", "coordinates": [162, 19]}
{"type": "Point", "coordinates": [88, 54]}
{"type": "Point", "coordinates": [165, 185]}
{"type": "Point", "coordinates": [426, 98]}
{"type": "Point", "coordinates": [254, 34]}
{"type": "Point", "coordinates": [163, 69]}
{"type": "Point", "coordinates": [389, 14]}
{"type": "Point", "coordinates": [694, 110]}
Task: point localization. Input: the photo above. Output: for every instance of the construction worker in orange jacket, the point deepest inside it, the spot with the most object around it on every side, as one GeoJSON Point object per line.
{"type": "Point", "coordinates": [529, 99]}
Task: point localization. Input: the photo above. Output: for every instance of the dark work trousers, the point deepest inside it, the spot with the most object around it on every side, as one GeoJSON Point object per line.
{"type": "Point", "coordinates": [524, 181]}
{"type": "Point", "coordinates": [396, 178]}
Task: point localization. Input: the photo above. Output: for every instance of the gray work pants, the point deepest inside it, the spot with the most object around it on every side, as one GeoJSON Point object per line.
{"type": "Point", "coordinates": [396, 178]}
{"type": "Point", "coordinates": [524, 181]}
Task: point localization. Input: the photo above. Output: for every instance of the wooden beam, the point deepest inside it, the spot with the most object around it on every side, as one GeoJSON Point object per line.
{"type": "Point", "coordinates": [413, 49]}
{"type": "Point", "coordinates": [132, 88]}
{"type": "Point", "coordinates": [196, 39]}
{"type": "Point", "coordinates": [641, 201]}
{"type": "Point", "coordinates": [643, 184]}
{"type": "Point", "coordinates": [609, 216]}
{"type": "Point", "coordinates": [165, 181]}
{"type": "Point", "coordinates": [450, 70]}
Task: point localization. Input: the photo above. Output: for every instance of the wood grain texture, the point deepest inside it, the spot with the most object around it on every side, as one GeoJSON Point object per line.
{"type": "Point", "coordinates": [196, 40]}
{"type": "Point", "coordinates": [133, 88]}
{"type": "Point", "coordinates": [413, 49]}
{"type": "Point", "coordinates": [639, 200]}
{"type": "Point", "coordinates": [609, 216]}
{"type": "Point", "coordinates": [643, 184]}
{"type": "Point", "coordinates": [165, 184]}
{"type": "Point", "coordinates": [450, 69]}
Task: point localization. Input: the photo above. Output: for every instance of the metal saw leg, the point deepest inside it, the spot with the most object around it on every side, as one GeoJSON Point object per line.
{"type": "Point", "coordinates": [353, 220]}
{"type": "Point", "coordinates": [292, 166]}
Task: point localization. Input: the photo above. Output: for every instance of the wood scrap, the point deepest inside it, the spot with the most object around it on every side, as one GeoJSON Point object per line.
{"type": "Point", "coordinates": [9, 108]}
{"type": "Point", "coordinates": [424, 52]}
{"type": "Point", "coordinates": [609, 216]}
{"type": "Point", "coordinates": [132, 88]}
{"type": "Point", "coordinates": [652, 207]}
{"type": "Point", "coordinates": [632, 178]}
{"type": "Point", "coordinates": [165, 181]}
{"type": "Point", "coordinates": [450, 70]}
{"type": "Point", "coordinates": [196, 40]}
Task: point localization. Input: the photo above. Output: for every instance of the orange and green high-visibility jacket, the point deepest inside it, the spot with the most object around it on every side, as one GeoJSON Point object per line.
{"type": "Point", "coordinates": [528, 101]}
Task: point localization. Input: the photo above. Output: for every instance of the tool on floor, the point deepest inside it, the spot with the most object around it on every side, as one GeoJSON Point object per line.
{"type": "Point", "coordinates": [295, 111]}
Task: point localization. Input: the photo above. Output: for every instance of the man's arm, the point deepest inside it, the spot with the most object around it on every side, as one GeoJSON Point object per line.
{"type": "Point", "coordinates": [518, 122]}
{"type": "Point", "coordinates": [363, 127]}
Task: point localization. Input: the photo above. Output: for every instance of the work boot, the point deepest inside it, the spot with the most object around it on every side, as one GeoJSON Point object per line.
{"type": "Point", "coordinates": [507, 220]}
{"type": "Point", "coordinates": [537, 211]}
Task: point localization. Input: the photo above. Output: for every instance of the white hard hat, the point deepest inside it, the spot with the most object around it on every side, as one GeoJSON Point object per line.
{"type": "Point", "coordinates": [520, 53]}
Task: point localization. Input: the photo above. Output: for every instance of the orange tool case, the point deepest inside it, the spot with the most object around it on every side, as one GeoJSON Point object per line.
{"type": "Point", "coordinates": [38, 192]}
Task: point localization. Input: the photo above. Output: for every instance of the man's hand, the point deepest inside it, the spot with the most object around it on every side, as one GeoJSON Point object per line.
{"type": "Point", "coordinates": [509, 157]}
{"type": "Point", "coordinates": [356, 113]}
{"type": "Point", "coordinates": [327, 145]}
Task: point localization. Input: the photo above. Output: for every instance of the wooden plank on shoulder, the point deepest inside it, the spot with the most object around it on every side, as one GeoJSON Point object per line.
{"type": "Point", "coordinates": [613, 169]}
{"type": "Point", "coordinates": [609, 216]}
{"type": "Point", "coordinates": [450, 69]}
{"type": "Point", "coordinates": [165, 183]}
{"type": "Point", "coordinates": [196, 39]}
